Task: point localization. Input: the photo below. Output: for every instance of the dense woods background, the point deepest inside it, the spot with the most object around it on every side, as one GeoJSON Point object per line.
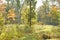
{"type": "Point", "coordinates": [21, 20]}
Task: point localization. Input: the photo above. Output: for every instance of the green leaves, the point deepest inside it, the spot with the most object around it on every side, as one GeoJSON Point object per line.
{"type": "Point", "coordinates": [2, 20]}
{"type": "Point", "coordinates": [30, 37]}
{"type": "Point", "coordinates": [7, 0]}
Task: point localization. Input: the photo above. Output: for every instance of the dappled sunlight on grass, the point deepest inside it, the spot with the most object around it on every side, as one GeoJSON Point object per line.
{"type": "Point", "coordinates": [39, 32]}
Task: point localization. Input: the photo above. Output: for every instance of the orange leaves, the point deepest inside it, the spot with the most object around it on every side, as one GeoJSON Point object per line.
{"type": "Point", "coordinates": [11, 14]}
{"type": "Point", "coordinates": [49, 14]}
{"type": "Point", "coordinates": [54, 8]}
{"type": "Point", "coordinates": [2, 7]}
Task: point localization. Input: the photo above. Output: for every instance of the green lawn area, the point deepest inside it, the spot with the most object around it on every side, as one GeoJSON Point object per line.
{"type": "Point", "coordinates": [21, 32]}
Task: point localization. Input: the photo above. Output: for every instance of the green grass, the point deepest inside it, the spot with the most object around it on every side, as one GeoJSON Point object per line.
{"type": "Point", "coordinates": [20, 32]}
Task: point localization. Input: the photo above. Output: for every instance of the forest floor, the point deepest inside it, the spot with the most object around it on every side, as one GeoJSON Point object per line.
{"type": "Point", "coordinates": [21, 32]}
